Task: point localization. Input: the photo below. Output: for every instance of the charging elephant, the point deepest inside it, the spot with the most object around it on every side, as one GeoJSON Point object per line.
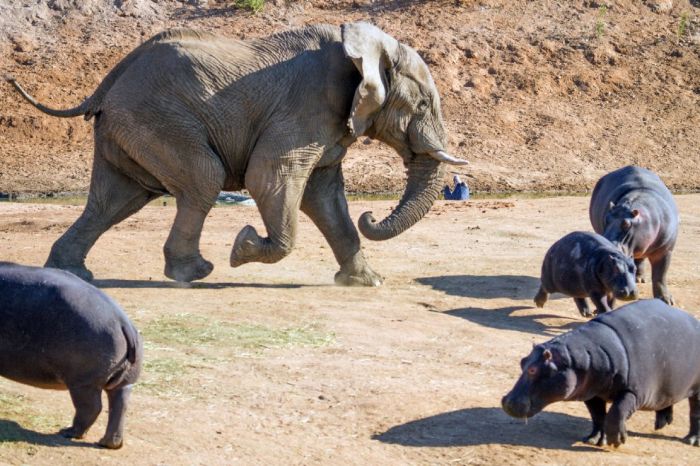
{"type": "Point", "coordinates": [190, 114]}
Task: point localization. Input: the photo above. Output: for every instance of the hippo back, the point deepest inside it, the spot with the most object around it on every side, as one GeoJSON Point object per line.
{"type": "Point", "coordinates": [619, 183]}
{"type": "Point", "coordinates": [663, 350]}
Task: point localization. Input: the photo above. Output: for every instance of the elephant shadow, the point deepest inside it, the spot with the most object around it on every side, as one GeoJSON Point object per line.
{"type": "Point", "coordinates": [11, 432]}
{"type": "Point", "coordinates": [124, 283]}
{"type": "Point", "coordinates": [485, 286]}
{"type": "Point", "coordinates": [503, 319]}
{"type": "Point", "coordinates": [485, 426]}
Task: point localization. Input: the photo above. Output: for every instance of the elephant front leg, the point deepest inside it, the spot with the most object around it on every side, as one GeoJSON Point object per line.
{"type": "Point", "coordinates": [276, 183]}
{"type": "Point", "coordinates": [324, 202]}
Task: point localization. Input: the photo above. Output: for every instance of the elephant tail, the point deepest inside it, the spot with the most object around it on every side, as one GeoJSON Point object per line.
{"type": "Point", "coordinates": [82, 109]}
{"type": "Point", "coordinates": [91, 106]}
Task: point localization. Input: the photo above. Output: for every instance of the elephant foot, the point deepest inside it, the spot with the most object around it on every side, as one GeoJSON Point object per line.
{"type": "Point", "coordinates": [247, 247]}
{"type": "Point", "coordinates": [541, 298]}
{"type": "Point", "coordinates": [79, 271]}
{"type": "Point", "coordinates": [640, 279]}
{"type": "Point", "coordinates": [358, 276]}
{"type": "Point", "coordinates": [595, 438]}
{"type": "Point", "coordinates": [112, 442]}
{"type": "Point", "coordinates": [187, 270]}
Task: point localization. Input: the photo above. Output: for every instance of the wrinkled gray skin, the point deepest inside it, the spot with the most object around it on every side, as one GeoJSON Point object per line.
{"type": "Point", "coordinates": [634, 209]}
{"type": "Point", "coordinates": [583, 264]}
{"type": "Point", "coordinates": [643, 356]}
{"type": "Point", "coordinates": [59, 332]}
{"type": "Point", "coordinates": [191, 114]}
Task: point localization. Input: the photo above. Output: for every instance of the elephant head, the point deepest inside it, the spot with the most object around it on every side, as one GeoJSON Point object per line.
{"type": "Point", "coordinates": [397, 103]}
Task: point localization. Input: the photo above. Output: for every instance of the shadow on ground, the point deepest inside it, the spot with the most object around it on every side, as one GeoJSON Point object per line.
{"type": "Point", "coordinates": [485, 286]}
{"type": "Point", "coordinates": [12, 432]}
{"type": "Point", "coordinates": [121, 283]}
{"type": "Point", "coordinates": [484, 426]}
{"type": "Point", "coordinates": [504, 319]}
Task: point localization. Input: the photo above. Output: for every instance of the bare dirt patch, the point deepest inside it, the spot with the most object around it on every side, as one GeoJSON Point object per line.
{"type": "Point", "coordinates": [544, 95]}
{"type": "Point", "coordinates": [273, 364]}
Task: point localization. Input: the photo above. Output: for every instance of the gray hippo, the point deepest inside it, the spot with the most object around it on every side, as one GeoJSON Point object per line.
{"type": "Point", "coordinates": [59, 332]}
{"type": "Point", "coordinates": [634, 209]}
{"type": "Point", "coordinates": [583, 264]}
{"type": "Point", "coordinates": [645, 355]}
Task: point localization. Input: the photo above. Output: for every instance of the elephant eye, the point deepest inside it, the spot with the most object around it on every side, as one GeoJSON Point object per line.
{"type": "Point", "coordinates": [422, 105]}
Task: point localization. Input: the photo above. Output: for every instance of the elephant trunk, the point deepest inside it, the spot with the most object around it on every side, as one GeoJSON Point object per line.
{"type": "Point", "coordinates": [425, 176]}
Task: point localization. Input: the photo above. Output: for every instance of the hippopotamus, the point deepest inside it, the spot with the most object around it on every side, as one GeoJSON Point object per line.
{"type": "Point", "coordinates": [584, 264]}
{"type": "Point", "coordinates": [643, 356]}
{"type": "Point", "coordinates": [634, 209]}
{"type": "Point", "coordinates": [59, 332]}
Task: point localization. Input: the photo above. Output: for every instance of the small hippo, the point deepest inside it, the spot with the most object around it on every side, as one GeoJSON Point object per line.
{"type": "Point", "coordinates": [645, 355]}
{"type": "Point", "coordinates": [59, 332]}
{"type": "Point", "coordinates": [634, 209]}
{"type": "Point", "coordinates": [585, 264]}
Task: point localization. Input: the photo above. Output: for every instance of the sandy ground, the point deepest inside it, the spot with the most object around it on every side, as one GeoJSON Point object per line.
{"type": "Point", "coordinates": [273, 364]}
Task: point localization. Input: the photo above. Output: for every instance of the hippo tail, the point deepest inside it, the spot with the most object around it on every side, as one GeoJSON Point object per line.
{"type": "Point", "coordinates": [132, 341]}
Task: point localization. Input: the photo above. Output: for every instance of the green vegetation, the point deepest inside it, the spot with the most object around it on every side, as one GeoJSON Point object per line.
{"type": "Point", "coordinates": [600, 22]}
{"type": "Point", "coordinates": [252, 5]}
{"type": "Point", "coordinates": [18, 409]}
{"type": "Point", "coordinates": [683, 25]}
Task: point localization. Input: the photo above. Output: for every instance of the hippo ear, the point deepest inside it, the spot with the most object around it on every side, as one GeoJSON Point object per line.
{"type": "Point", "coordinates": [635, 213]}
{"type": "Point", "coordinates": [547, 355]}
{"type": "Point", "coordinates": [611, 206]}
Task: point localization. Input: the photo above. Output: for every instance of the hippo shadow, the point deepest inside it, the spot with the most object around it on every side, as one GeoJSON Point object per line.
{"type": "Point", "coordinates": [485, 426]}
{"type": "Point", "coordinates": [11, 432]}
{"type": "Point", "coordinates": [124, 283]}
{"type": "Point", "coordinates": [486, 286]}
{"type": "Point", "coordinates": [503, 319]}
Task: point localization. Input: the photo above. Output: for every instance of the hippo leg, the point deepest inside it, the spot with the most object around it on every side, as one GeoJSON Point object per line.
{"type": "Point", "coordinates": [664, 417]}
{"type": "Point", "coordinates": [693, 437]}
{"type": "Point", "coordinates": [118, 399]}
{"type": "Point", "coordinates": [88, 404]}
{"type": "Point", "coordinates": [541, 297]}
{"type": "Point", "coordinates": [641, 269]}
{"type": "Point", "coordinates": [583, 308]}
{"type": "Point", "coordinates": [659, 267]}
{"type": "Point", "coordinates": [621, 409]}
{"type": "Point", "coordinates": [600, 301]}
{"type": "Point", "coordinates": [611, 300]}
{"type": "Point", "coordinates": [596, 406]}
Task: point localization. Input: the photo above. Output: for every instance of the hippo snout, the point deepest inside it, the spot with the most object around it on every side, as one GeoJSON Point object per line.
{"type": "Point", "coordinates": [627, 294]}
{"type": "Point", "coordinates": [515, 407]}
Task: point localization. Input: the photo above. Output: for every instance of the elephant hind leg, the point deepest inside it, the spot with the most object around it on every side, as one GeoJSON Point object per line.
{"type": "Point", "coordinates": [195, 196]}
{"type": "Point", "coordinates": [113, 197]}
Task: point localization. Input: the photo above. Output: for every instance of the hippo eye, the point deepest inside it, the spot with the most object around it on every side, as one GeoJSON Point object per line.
{"type": "Point", "coordinates": [532, 371]}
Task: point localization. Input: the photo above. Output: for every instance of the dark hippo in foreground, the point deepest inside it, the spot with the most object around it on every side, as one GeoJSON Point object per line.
{"type": "Point", "coordinates": [645, 355]}
{"type": "Point", "coordinates": [56, 331]}
{"type": "Point", "coordinates": [634, 209]}
{"type": "Point", "coordinates": [583, 264]}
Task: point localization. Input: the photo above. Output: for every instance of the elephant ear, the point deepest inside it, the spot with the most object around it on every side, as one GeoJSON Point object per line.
{"type": "Point", "coordinates": [372, 51]}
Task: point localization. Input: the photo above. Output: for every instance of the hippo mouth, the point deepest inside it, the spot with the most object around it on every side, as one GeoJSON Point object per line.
{"type": "Point", "coordinates": [624, 295]}
{"type": "Point", "coordinates": [519, 409]}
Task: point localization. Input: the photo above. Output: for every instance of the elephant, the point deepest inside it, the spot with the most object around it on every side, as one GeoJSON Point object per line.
{"type": "Point", "coordinates": [189, 113]}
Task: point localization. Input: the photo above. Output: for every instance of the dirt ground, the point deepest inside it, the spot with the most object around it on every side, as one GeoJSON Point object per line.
{"type": "Point", "coordinates": [539, 96]}
{"type": "Point", "coordinates": [273, 364]}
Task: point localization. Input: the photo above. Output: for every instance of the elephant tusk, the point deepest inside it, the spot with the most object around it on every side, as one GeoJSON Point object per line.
{"type": "Point", "coordinates": [443, 156]}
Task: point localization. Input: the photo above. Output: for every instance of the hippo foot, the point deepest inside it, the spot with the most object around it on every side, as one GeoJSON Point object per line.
{"type": "Point", "coordinates": [692, 439]}
{"type": "Point", "coordinates": [113, 442]}
{"type": "Point", "coordinates": [79, 271]}
{"type": "Point", "coordinates": [71, 432]}
{"type": "Point", "coordinates": [189, 269]}
{"type": "Point", "coordinates": [616, 436]}
{"type": "Point", "coordinates": [595, 438]}
{"type": "Point", "coordinates": [364, 278]}
{"type": "Point", "coordinates": [664, 417]}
